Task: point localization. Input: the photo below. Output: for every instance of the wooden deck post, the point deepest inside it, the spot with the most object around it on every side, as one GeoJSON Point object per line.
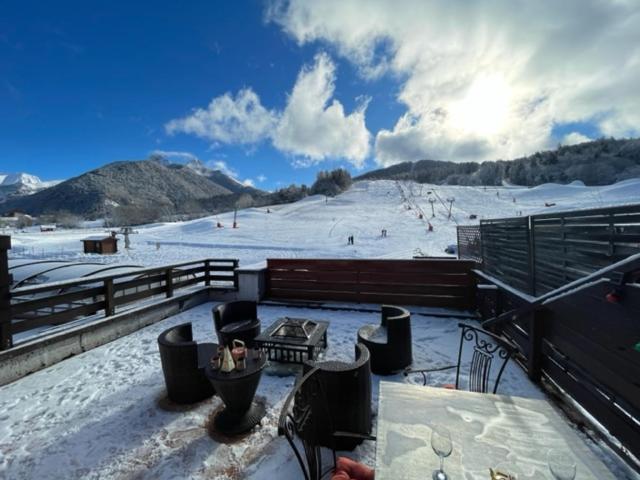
{"type": "Point", "coordinates": [6, 339]}
{"type": "Point", "coordinates": [235, 274]}
{"type": "Point", "coordinates": [109, 307]}
{"type": "Point", "coordinates": [536, 333]}
{"type": "Point", "coordinates": [207, 272]}
{"type": "Point", "coordinates": [168, 280]}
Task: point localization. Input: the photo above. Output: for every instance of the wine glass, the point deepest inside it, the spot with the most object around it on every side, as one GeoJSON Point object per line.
{"type": "Point", "coordinates": [561, 464]}
{"type": "Point", "coordinates": [441, 444]}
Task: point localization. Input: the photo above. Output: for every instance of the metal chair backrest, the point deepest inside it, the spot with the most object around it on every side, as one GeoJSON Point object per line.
{"type": "Point", "coordinates": [300, 425]}
{"type": "Point", "coordinates": [488, 351]}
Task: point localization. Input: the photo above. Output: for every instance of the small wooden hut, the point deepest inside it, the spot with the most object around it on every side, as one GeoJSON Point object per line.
{"type": "Point", "coordinates": [101, 244]}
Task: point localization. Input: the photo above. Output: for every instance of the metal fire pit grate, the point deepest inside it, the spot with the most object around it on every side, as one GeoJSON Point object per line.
{"type": "Point", "coordinates": [293, 340]}
{"type": "Point", "coordinates": [295, 328]}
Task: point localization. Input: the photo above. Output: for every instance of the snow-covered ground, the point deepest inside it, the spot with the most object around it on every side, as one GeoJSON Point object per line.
{"type": "Point", "coordinates": [315, 227]}
{"type": "Point", "coordinates": [103, 414]}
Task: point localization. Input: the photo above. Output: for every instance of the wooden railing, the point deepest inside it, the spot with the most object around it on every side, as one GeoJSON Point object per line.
{"type": "Point", "coordinates": [435, 283]}
{"type": "Point", "coordinates": [585, 340]}
{"type": "Point", "coordinates": [540, 253]}
{"type": "Point", "coordinates": [60, 302]}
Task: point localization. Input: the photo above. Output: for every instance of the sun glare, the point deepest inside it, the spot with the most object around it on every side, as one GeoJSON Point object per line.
{"type": "Point", "coordinates": [484, 109]}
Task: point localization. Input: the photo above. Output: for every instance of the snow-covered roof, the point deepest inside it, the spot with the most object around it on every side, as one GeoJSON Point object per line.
{"type": "Point", "coordinates": [99, 238]}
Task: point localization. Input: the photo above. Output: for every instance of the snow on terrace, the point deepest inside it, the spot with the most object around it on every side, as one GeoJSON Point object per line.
{"type": "Point", "coordinates": [316, 228]}
{"type": "Point", "coordinates": [103, 414]}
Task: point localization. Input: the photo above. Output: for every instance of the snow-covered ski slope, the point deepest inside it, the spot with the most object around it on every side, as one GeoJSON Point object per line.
{"type": "Point", "coordinates": [316, 227]}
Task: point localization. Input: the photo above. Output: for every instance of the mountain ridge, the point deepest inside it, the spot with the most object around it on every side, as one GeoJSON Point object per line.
{"type": "Point", "coordinates": [144, 184]}
{"type": "Point", "coordinates": [598, 162]}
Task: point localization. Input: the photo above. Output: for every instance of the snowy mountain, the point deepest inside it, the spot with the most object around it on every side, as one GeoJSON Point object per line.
{"type": "Point", "coordinates": [318, 227]}
{"type": "Point", "coordinates": [16, 184]}
{"type": "Point", "coordinates": [144, 185]}
{"type": "Point", "coordinates": [219, 177]}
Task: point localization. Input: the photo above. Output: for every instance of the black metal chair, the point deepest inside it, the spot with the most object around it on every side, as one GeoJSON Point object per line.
{"type": "Point", "coordinates": [236, 321]}
{"type": "Point", "coordinates": [347, 391]}
{"type": "Point", "coordinates": [304, 419]}
{"type": "Point", "coordinates": [183, 362]}
{"type": "Point", "coordinates": [483, 347]}
{"type": "Point", "coordinates": [390, 342]}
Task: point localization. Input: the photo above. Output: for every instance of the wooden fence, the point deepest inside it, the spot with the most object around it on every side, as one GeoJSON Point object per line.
{"type": "Point", "coordinates": [436, 283]}
{"type": "Point", "coordinates": [540, 253]}
{"type": "Point", "coordinates": [60, 302]}
{"type": "Point", "coordinates": [587, 342]}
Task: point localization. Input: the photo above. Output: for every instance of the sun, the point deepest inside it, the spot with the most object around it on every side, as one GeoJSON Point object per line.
{"type": "Point", "coordinates": [484, 109]}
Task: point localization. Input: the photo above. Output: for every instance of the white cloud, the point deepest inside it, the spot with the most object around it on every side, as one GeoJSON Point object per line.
{"type": "Point", "coordinates": [261, 178]}
{"type": "Point", "coordinates": [313, 126]}
{"type": "Point", "coordinates": [316, 127]}
{"type": "Point", "coordinates": [173, 155]}
{"type": "Point", "coordinates": [223, 167]}
{"type": "Point", "coordinates": [574, 138]}
{"type": "Point", "coordinates": [488, 80]}
{"type": "Point", "coordinates": [239, 120]}
{"type": "Point", "coordinates": [248, 182]}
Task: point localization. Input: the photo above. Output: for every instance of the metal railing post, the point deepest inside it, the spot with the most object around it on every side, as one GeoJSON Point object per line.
{"type": "Point", "coordinates": [6, 338]}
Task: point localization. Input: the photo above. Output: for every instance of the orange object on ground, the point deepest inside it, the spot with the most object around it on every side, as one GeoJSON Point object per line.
{"type": "Point", "coordinates": [347, 469]}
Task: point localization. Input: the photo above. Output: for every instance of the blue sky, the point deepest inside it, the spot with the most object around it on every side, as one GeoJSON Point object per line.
{"type": "Point", "coordinates": [286, 88]}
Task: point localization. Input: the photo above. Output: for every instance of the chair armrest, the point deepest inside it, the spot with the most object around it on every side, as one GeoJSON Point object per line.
{"type": "Point", "coordinates": [424, 371]}
{"type": "Point", "coordinates": [363, 436]}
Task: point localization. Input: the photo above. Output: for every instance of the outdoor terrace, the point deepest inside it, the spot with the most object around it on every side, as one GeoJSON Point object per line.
{"type": "Point", "coordinates": [90, 400]}
{"type": "Point", "coordinates": [104, 413]}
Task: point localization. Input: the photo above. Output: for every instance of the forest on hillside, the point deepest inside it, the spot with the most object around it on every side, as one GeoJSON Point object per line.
{"type": "Point", "coordinates": [600, 162]}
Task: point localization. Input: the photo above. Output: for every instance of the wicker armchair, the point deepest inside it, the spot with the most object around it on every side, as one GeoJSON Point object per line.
{"type": "Point", "coordinates": [183, 362]}
{"type": "Point", "coordinates": [389, 342]}
{"type": "Point", "coordinates": [305, 417]}
{"type": "Point", "coordinates": [482, 349]}
{"type": "Point", "coordinates": [236, 320]}
{"type": "Point", "coordinates": [347, 392]}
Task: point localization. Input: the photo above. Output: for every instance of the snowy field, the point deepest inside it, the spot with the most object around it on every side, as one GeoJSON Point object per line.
{"type": "Point", "coordinates": [318, 228]}
{"type": "Point", "coordinates": [103, 414]}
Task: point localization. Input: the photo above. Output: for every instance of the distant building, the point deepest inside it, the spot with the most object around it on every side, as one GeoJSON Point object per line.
{"type": "Point", "coordinates": [101, 244]}
{"type": "Point", "coordinates": [48, 228]}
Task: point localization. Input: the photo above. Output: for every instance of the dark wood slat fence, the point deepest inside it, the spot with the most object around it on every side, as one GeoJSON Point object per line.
{"type": "Point", "coordinates": [586, 345]}
{"type": "Point", "coordinates": [540, 253]}
{"type": "Point", "coordinates": [61, 302]}
{"type": "Point", "coordinates": [436, 283]}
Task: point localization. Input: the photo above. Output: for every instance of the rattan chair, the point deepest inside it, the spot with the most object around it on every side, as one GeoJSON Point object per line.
{"type": "Point", "coordinates": [183, 362]}
{"type": "Point", "coordinates": [236, 321]}
{"type": "Point", "coordinates": [347, 392]}
{"type": "Point", "coordinates": [304, 419]}
{"type": "Point", "coordinates": [390, 342]}
{"type": "Point", "coordinates": [486, 353]}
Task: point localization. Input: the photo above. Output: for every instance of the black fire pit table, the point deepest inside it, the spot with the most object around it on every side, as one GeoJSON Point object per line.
{"type": "Point", "coordinates": [293, 340]}
{"type": "Point", "coordinates": [237, 389]}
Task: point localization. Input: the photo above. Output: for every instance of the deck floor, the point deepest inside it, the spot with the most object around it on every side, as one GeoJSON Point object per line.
{"type": "Point", "coordinates": [103, 414]}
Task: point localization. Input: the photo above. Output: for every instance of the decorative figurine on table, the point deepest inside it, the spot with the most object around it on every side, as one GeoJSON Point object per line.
{"type": "Point", "coordinates": [227, 364]}
{"type": "Point", "coordinates": [239, 354]}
